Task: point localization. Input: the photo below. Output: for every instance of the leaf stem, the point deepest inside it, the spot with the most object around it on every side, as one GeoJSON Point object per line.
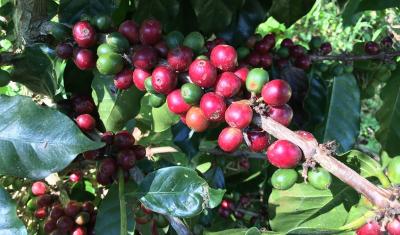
{"type": "Point", "coordinates": [355, 224]}
{"type": "Point", "coordinates": [122, 202]}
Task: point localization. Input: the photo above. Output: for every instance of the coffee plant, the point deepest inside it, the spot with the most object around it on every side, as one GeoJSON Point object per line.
{"type": "Point", "coordinates": [198, 117]}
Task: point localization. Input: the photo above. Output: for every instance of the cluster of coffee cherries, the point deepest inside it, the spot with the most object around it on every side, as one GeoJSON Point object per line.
{"type": "Point", "coordinates": [373, 48]}
{"type": "Point", "coordinates": [74, 218]}
{"type": "Point", "coordinates": [145, 216]}
{"type": "Point", "coordinates": [374, 228]}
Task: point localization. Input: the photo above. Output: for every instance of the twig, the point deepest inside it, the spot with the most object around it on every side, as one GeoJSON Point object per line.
{"type": "Point", "coordinates": [122, 202]}
{"type": "Point", "coordinates": [347, 57]}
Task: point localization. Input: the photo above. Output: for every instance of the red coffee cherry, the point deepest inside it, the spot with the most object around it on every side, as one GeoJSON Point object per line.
{"type": "Point", "coordinates": [371, 48]}
{"type": "Point", "coordinates": [150, 32]}
{"type": "Point", "coordinates": [56, 212]}
{"type": "Point", "coordinates": [107, 137]}
{"type": "Point", "coordinates": [84, 59]}
{"type": "Point", "coordinates": [44, 200]}
{"type": "Point", "coordinates": [72, 208]}
{"type": "Point", "coordinates": [306, 135]}
{"type": "Point", "coordinates": [75, 176]}
{"type": "Point", "coordinates": [303, 62]}
{"type": "Point", "coordinates": [282, 114]}
{"type": "Point", "coordinates": [213, 106]}
{"type": "Point", "coordinates": [82, 104]}
{"type": "Point", "coordinates": [84, 34]}
{"type": "Point", "coordinates": [123, 140]}
{"type": "Point", "coordinates": [162, 49]}
{"type": "Point", "coordinates": [108, 167]}
{"type": "Point", "coordinates": [123, 80]}
{"type": "Point", "coordinates": [228, 204]}
{"type": "Point", "coordinates": [140, 151]}
{"type": "Point", "coordinates": [79, 231]}
{"type": "Point", "coordinates": [224, 57]}
{"type": "Point", "coordinates": [393, 228]}
{"type": "Point", "coordinates": [65, 224]}
{"type": "Point", "coordinates": [163, 79]}
{"type": "Point", "coordinates": [242, 73]}
{"type": "Point", "coordinates": [284, 154]}
{"type": "Point", "coordinates": [176, 103]}
{"type": "Point", "coordinates": [287, 42]}
{"type": "Point", "coordinates": [39, 188]}
{"type": "Point", "coordinates": [130, 30]}
{"type": "Point", "coordinates": [139, 75]}
{"type": "Point", "coordinates": [296, 51]}
{"type": "Point", "coordinates": [228, 85]}
{"type": "Point", "coordinates": [326, 48]}
{"type": "Point", "coordinates": [41, 213]}
{"type": "Point", "coordinates": [103, 179]}
{"type": "Point", "coordinates": [49, 226]}
{"type": "Point", "coordinates": [203, 73]}
{"type": "Point", "coordinates": [86, 122]}
{"type": "Point", "coordinates": [253, 59]}
{"type": "Point", "coordinates": [196, 120]}
{"type": "Point", "coordinates": [180, 58]}
{"type": "Point", "coordinates": [276, 92]}
{"type": "Point", "coordinates": [239, 115]}
{"type": "Point", "coordinates": [126, 159]}
{"type": "Point", "coordinates": [266, 60]}
{"type": "Point", "coordinates": [230, 139]}
{"type": "Point", "coordinates": [259, 140]}
{"type": "Point", "coordinates": [371, 228]}
{"type": "Point", "coordinates": [64, 51]}
{"type": "Point", "coordinates": [145, 58]}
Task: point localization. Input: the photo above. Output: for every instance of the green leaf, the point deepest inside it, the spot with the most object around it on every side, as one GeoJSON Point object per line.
{"type": "Point", "coordinates": [82, 191]}
{"type": "Point", "coordinates": [316, 231]}
{"type": "Point", "coordinates": [289, 11]}
{"type": "Point", "coordinates": [377, 5]}
{"type": "Point", "coordinates": [315, 102]}
{"type": "Point", "coordinates": [36, 141]}
{"type": "Point", "coordinates": [216, 196]}
{"type": "Point", "coordinates": [177, 191]}
{"type": "Point", "coordinates": [239, 231]}
{"type": "Point", "coordinates": [367, 165]}
{"type": "Point", "coordinates": [342, 120]}
{"type": "Point", "coordinates": [10, 224]}
{"type": "Point", "coordinates": [163, 118]}
{"type": "Point", "coordinates": [350, 9]}
{"type": "Point", "coordinates": [304, 206]}
{"type": "Point", "coordinates": [116, 108]}
{"type": "Point", "coordinates": [71, 11]}
{"type": "Point", "coordinates": [388, 116]}
{"type": "Point", "coordinates": [108, 216]}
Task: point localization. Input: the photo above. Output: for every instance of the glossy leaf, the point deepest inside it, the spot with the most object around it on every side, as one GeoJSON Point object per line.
{"type": "Point", "coordinates": [37, 141]}
{"type": "Point", "coordinates": [163, 118]}
{"type": "Point", "coordinates": [289, 11]}
{"type": "Point", "coordinates": [116, 107]}
{"type": "Point", "coordinates": [71, 11]}
{"type": "Point", "coordinates": [10, 224]}
{"type": "Point", "coordinates": [177, 191]}
{"type": "Point", "coordinates": [377, 5]}
{"type": "Point", "coordinates": [315, 102]}
{"type": "Point", "coordinates": [367, 165]}
{"type": "Point", "coordinates": [239, 231]}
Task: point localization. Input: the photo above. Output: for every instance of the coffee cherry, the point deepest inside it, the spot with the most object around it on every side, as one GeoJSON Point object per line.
{"type": "Point", "coordinates": [387, 42]}
{"type": "Point", "coordinates": [108, 167]}
{"type": "Point", "coordinates": [227, 204]}
{"type": "Point", "coordinates": [103, 22]}
{"type": "Point", "coordinates": [117, 42]}
{"type": "Point", "coordinates": [242, 73]}
{"type": "Point", "coordinates": [239, 115]}
{"type": "Point", "coordinates": [110, 64]}
{"type": "Point", "coordinates": [252, 40]}
{"type": "Point", "coordinates": [176, 103]}
{"type": "Point", "coordinates": [32, 204]}
{"type": "Point", "coordinates": [174, 39]}
{"type": "Point", "coordinates": [130, 30]}
{"type": "Point", "coordinates": [266, 60]}
{"type": "Point", "coordinates": [126, 159]}
{"type": "Point", "coordinates": [242, 52]}
{"type": "Point", "coordinates": [75, 176]}
{"type": "Point", "coordinates": [253, 59]}
{"type": "Point", "coordinates": [287, 42]}
{"type": "Point", "coordinates": [306, 135]}
{"type": "Point", "coordinates": [5, 78]}
{"type": "Point", "coordinates": [49, 226]}
{"type": "Point", "coordinates": [123, 80]}
{"type": "Point", "coordinates": [56, 212]}
{"type": "Point", "coordinates": [281, 63]}
{"type": "Point", "coordinates": [123, 140]}
{"type": "Point", "coordinates": [224, 213]}
{"type": "Point", "coordinates": [284, 179]}
{"type": "Point", "coordinates": [163, 79]}
{"type": "Point", "coordinates": [296, 51]}
{"type": "Point", "coordinates": [157, 100]}
{"type": "Point", "coordinates": [139, 75]}
{"type": "Point", "coordinates": [276, 92]}
{"type": "Point", "coordinates": [191, 93]}
{"type": "Point", "coordinates": [84, 59]}
{"type": "Point", "coordinates": [259, 140]}
{"type": "Point", "coordinates": [145, 58]}
{"type": "Point", "coordinates": [256, 79]}
{"type": "Point", "coordinates": [319, 178]}
{"type": "Point", "coordinates": [224, 57]}
{"type": "Point", "coordinates": [393, 228]}
{"type": "Point", "coordinates": [315, 43]}
{"type": "Point", "coordinates": [270, 39]}
{"type": "Point", "coordinates": [244, 163]}
{"type": "Point", "coordinates": [150, 32]}
{"type": "Point", "coordinates": [284, 154]}
{"type": "Point", "coordinates": [82, 218]}
{"type": "Point", "coordinates": [86, 122]}
{"type": "Point", "coordinates": [104, 49]}
{"type": "Point", "coordinates": [72, 208]}
{"type": "Point", "coordinates": [92, 154]}
{"type": "Point", "coordinates": [213, 106]}
{"type": "Point", "coordinates": [202, 73]}
{"type": "Point", "coordinates": [195, 41]}
{"type": "Point", "coordinates": [228, 85]}
{"type": "Point", "coordinates": [41, 213]}
{"type": "Point", "coordinates": [303, 62]}
{"type": "Point", "coordinates": [196, 120]}
{"type": "Point", "coordinates": [180, 58]}
{"type": "Point", "coordinates": [82, 104]}
{"type": "Point", "coordinates": [79, 231]}
{"type": "Point", "coordinates": [326, 48]}
{"type": "Point", "coordinates": [39, 188]}
{"type": "Point", "coordinates": [44, 200]}
{"type": "Point", "coordinates": [371, 48]}
{"type": "Point", "coordinates": [64, 51]}
{"type": "Point", "coordinates": [88, 207]}
{"type": "Point", "coordinates": [84, 34]}
{"type": "Point", "coordinates": [283, 52]}
{"type": "Point", "coordinates": [103, 179]}
{"type": "Point", "coordinates": [282, 114]}
{"type": "Point", "coordinates": [162, 49]}
{"type": "Point", "coordinates": [230, 139]}
{"type": "Point", "coordinates": [393, 170]}
{"type": "Point", "coordinates": [371, 228]}
{"type": "Point", "coordinates": [65, 223]}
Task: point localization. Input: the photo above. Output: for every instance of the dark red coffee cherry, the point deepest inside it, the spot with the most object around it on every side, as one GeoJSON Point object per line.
{"type": "Point", "coordinates": [84, 59]}
{"type": "Point", "coordinates": [253, 59]}
{"type": "Point", "coordinates": [265, 60]}
{"type": "Point", "coordinates": [393, 228]}
{"type": "Point", "coordinates": [282, 114]}
{"type": "Point", "coordinates": [107, 137]}
{"type": "Point", "coordinates": [371, 228]}
{"type": "Point", "coordinates": [130, 30]}
{"type": "Point", "coordinates": [176, 103]}
{"type": "Point", "coordinates": [49, 226]}
{"type": "Point", "coordinates": [224, 213]}
{"type": "Point", "coordinates": [230, 139]}
{"type": "Point", "coordinates": [281, 63]}
{"type": "Point", "coordinates": [84, 34]}
{"type": "Point", "coordinates": [244, 163]}
{"type": "Point", "coordinates": [239, 114]}
{"type": "Point", "coordinates": [123, 80]}
{"type": "Point", "coordinates": [163, 79]}
{"type": "Point", "coordinates": [56, 212]}
{"type": "Point", "coordinates": [326, 48]}
{"type": "Point", "coordinates": [252, 40]}
{"type": "Point", "coordinates": [44, 200]}
{"type": "Point", "coordinates": [145, 58]}
{"type": "Point", "coordinates": [387, 42]}
{"type": "Point", "coordinates": [284, 154]}
{"type": "Point", "coordinates": [242, 73]}
{"type": "Point", "coordinates": [276, 92]}
{"type": "Point", "coordinates": [86, 122]}
{"type": "Point", "coordinates": [228, 85]}
{"type": "Point", "coordinates": [64, 51]}
{"type": "Point", "coordinates": [75, 176]}
{"type": "Point", "coordinates": [140, 151]}
{"type": "Point", "coordinates": [72, 208]}
{"type": "Point", "coordinates": [65, 224]}
{"type": "Point", "coordinates": [126, 159]}
{"type": "Point", "coordinates": [287, 42]}
{"type": "Point", "coordinates": [303, 62]}
{"type": "Point", "coordinates": [82, 104]}
{"type": "Point", "coordinates": [39, 188]}
{"type": "Point", "coordinates": [108, 167]}
{"type": "Point", "coordinates": [224, 57]}
{"type": "Point", "coordinates": [203, 73]}
{"type": "Point", "coordinates": [41, 213]}
{"type": "Point", "coordinates": [306, 135]}
{"type": "Point", "coordinates": [213, 106]}
{"type": "Point", "coordinates": [259, 140]}
{"type": "Point", "coordinates": [180, 58]}
{"type": "Point", "coordinates": [92, 154]}
{"type": "Point", "coordinates": [123, 140]}
{"type": "Point", "coordinates": [103, 179]}
{"type": "Point", "coordinates": [139, 75]}
{"type": "Point", "coordinates": [150, 32]}
{"type": "Point", "coordinates": [296, 51]}
{"type": "Point", "coordinates": [79, 231]}
{"type": "Point", "coordinates": [371, 48]}
{"type": "Point", "coordinates": [196, 120]}
{"type": "Point", "coordinates": [227, 204]}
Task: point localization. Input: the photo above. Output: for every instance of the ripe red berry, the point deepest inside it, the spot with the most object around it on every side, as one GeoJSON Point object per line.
{"type": "Point", "coordinates": [130, 30]}
{"type": "Point", "coordinates": [393, 228]}
{"type": "Point", "coordinates": [92, 154]}
{"type": "Point", "coordinates": [64, 50]}
{"type": "Point", "coordinates": [270, 39]}
{"type": "Point", "coordinates": [84, 34]}
{"type": "Point", "coordinates": [371, 48]}
{"type": "Point", "coordinates": [163, 79]}
{"type": "Point", "coordinates": [228, 85]}
{"type": "Point", "coordinates": [84, 59]}
{"type": "Point", "coordinates": [41, 213]}
{"type": "Point", "coordinates": [126, 159]}
{"type": "Point", "coordinates": [303, 62]}
{"type": "Point", "coordinates": [145, 58]}
{"type": "Point", "coordinates": [88, 207]}
{"type": "Point", "coordinates": [150, 32]}
{"type": "Point", "coordinates": [266, 60]}
{"type": "Point", "coordinates": [224, 213]}
{"type": "Point", "coordinates": [49, 226]}
{"type": "Point", "coordinates": [82, 104]}
{"type": "Point", "coordinates": [72, 208]}
{"type": "Point", "coordinates": [203, 73]}
{"type": "Point", "coordinates": [242, 73]}
{"type": "Point", "coordinates": [296, 51]}
{"type": "Point", "coordinates": [162, 49]}
{"type": "Point", "coordinates": [65, 224]}
{"type": "Point", "coordinates": [123, 140]}
{"type": "Point", "coordinates": [306, 135]}
{"type": "Point", "coordinates": [123, 80]}
{"type": "Point", "coordinates": [103, 179]}
{"type": "Point", "coordinates": [227, 204]}
{"type": "Point", "coordinates": [108, 167]}
{"type": "Point", "coordinates": [140, 151]}
{"type": "Point", "coordinates": [79, 231]}
{"type": "Point", "coordinates": [75, 176]}
{"type": "Point", "coordinates": [107, 137]}
{"type": "Point", "coordinates": [180, 58]}
{"type": "Point", "coordinates": [387, 42]}
{"type": "Point", "coordinates": [287, 42]}
{"type": "Point", "coordinates": [253, 59]}
{"type": "Point", "coordinates": [276, 92]}
{"type": "Point", "coordinates": [284, 154]}
{"type": "Point", "coordinates": [224, 57]}
{"type": "Point", "coordinates": [230, 139]}
{"type": "Point", "coordinates": [39, 188]}
{"type": "Point", "coordinates": [56, 212]}
{"type": "Point", "coordinates": [371, 228]}
{"type": "Point", "coordinates": [86, 122]}
{"type": "Point", "coordinates": [259, 140]}
{"type": "Point", "coordinates": [176, 103]}
{"type": "Point", "coordinates": [326, 48]}
{"type": "Point", "coordinates": [213, 106]}
{"type": "Point", "coordinates": [239, 115]}
{"type": "Point", "coordinates": [196, 120]}
{"type": "Point", "coordinates": [44, 200]}
{"type": "Point", "coordinates": [139, 75]}
{"type": "Point", "coordinates": [282, 114]}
